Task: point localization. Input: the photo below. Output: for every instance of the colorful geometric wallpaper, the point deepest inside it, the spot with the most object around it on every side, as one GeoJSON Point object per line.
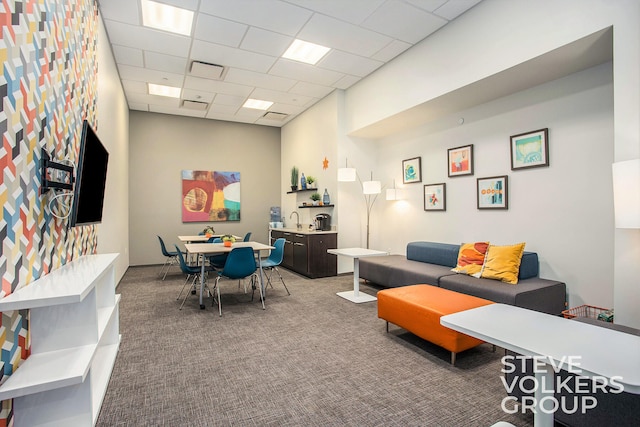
{"type": "Point", "coordinates": [48, 85]}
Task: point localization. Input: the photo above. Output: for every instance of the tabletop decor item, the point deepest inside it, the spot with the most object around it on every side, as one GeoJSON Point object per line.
{"type": "Point", "coordinates": [228, 240]}
{"type": "Point", "coordinates": [208, 231]}
{"type": "Point", "coordinates": [411, 170]}
{"type": "Point", "coordinates": [315, 197]}
{"type": "Point", "coordinates": [294, 178]}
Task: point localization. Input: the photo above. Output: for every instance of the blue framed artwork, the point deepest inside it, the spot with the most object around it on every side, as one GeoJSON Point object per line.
{"type": "Point", "coordinates": [411, 171]}
{"type": "Point", "coordinates": [530, 150]}
{"type": "Point", "coordinates": [493, 192]}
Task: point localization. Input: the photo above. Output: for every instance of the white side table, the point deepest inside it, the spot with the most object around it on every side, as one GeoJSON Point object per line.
{"type": "Point", "coordinates": [356, 254]}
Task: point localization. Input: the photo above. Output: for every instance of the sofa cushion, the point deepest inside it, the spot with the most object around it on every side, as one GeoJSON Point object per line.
{"type": "Point", "coordinates": [433, 253]}
{"type": "Point", "coordinates": [471, 258]}
{"type": "Point", "coordinates": [547, 296]}
{"type": "Point", "coordinates": [503, 263]}
{"type": "Point", "coordinates": [397, 270]}
{"type": "Point", "coordinates": [529, 266]}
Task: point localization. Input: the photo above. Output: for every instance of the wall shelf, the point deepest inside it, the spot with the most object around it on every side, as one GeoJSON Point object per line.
{"type": "Point", "coordinates": [302, 191]}
{"type": "Point", "coordinates": [316, 206]}
{"type": "Point", "coordinates": [75, 337]}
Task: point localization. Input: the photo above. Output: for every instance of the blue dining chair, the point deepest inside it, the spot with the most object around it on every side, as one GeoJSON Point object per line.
{"type": "Point", "coordinates": [193, 272]}
{"type": "Point", "coordinates": [247, 237]}
{"type": "Point", "coordinates": [171, 258]}
{"type": "Point", "coordinates": [240, 264]}
{"type": "Point", "coordinates": [273, 261]}
{"type": "Point", "coordinates": [217, 261]}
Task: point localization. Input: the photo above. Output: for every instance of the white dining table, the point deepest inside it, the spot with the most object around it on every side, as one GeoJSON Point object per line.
{"type": "Point", "coordinates": [554, 341]}
{"type": "Point", "coordinates": [204, 249]}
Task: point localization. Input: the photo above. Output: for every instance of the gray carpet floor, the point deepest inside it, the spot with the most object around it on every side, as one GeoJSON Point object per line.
{"type": "Point", "coordinates": [309, 359]}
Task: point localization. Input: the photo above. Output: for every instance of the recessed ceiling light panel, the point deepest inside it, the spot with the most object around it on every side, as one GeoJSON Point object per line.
{"type": "Point", "coordinates": [306, 52]}
{"type": "Point", "coordinates": [257, 104]}
{"type": "Point", "coordinates": [160, 90]}
{"type": "Point", "coordinates": [166, 18]}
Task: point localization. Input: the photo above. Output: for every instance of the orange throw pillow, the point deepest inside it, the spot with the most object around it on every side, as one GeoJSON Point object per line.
{"type": "Point", "coordinates": [471, 258]}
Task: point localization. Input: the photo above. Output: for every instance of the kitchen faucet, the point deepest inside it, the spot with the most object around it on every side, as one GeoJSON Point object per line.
{"type": "Point", "coordinates": [298, 225]}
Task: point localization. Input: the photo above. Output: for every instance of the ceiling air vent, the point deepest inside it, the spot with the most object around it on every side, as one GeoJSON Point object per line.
{"type": "Point", "coordinates": [207, 71]}
{"type": "Point", "coordinates": [272, 115]}
{"type": "Point", "coordinates": [194, 105]}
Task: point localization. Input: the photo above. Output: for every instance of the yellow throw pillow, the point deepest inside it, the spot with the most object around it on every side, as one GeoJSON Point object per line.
{"type": "Point", "coordinates": [471, 258]}
{"type": "Point", "coordinates": [503, 263]}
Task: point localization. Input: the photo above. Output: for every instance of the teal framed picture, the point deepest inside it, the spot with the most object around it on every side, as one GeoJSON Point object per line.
{"type": "Point", "coordinates": [411, 170]}
{"type": "Point", "coordinates": [530, 150]}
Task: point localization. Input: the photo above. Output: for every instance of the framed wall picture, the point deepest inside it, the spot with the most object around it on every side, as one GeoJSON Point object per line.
{"type": "Point", "coordinates": [460, 160]}
{"type": "Point", "coordinates": [493, 192]}
{"type": "Point", "coordinates": [411, 170]}
{"type": "Point", "coordinates": [435, 197]}
{"type": "Point", "coordinates": [530, 150]}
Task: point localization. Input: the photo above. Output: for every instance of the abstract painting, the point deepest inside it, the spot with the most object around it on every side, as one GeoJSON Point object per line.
{"type": "Point", "coordinates": [434, 197]}
{"type": "Point", "coordinates": [530, 150]}
{"type": "Point", "coordinates": [492, 192]}
{"type": "Point", "coordinates": [210, 196]}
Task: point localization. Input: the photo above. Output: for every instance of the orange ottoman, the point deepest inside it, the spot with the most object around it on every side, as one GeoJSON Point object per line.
{"type": "Point", "coordinates": [418, 308]}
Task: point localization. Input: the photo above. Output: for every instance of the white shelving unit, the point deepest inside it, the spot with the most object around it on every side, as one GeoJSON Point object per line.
{"type": "Point", "coordinates": [75, 338]}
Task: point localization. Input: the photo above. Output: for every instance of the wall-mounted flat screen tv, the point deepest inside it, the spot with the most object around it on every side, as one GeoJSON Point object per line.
{"type": "Point", "coordinates": [91, 177]}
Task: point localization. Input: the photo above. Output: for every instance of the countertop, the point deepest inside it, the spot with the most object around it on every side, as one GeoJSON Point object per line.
{"type": "Point", "coordinates": [303, 230]}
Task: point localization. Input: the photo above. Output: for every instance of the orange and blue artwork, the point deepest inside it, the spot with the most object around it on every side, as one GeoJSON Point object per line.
{"type": "Point", "coordinates": [210, 196]}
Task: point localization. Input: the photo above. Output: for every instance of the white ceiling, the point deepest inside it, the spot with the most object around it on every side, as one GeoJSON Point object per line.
{"type": "Point", "coordinates": [248, 37]}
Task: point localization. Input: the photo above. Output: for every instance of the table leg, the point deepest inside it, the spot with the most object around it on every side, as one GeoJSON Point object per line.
{"type": "Point", "coordinates": [545, 378]}
{"type": "Point", "coordinates": [355, 295]}
{"type": "Point", "coordinates": [202, 283]}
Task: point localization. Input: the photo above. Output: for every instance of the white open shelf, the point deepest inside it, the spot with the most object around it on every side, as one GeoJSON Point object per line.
{"type": "Point", "coordinates": [74, 327]}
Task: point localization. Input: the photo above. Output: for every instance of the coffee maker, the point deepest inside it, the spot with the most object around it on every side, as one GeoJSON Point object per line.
{"type": "Point", "coordinates": [323, 222]}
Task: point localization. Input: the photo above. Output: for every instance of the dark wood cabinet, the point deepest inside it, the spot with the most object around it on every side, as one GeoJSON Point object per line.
{"type": "Point", "coordinates": [306, 253]}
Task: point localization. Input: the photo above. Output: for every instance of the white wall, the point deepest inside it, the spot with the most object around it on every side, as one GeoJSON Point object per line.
{"type": "Point", "coordinates": [492, 37]}
{"type": "Point", "coordinates": [113, 131]}
{"type": "Point", "coordinates": [560, 211]}
{"type": "Point", "coordinates": [162, 146]}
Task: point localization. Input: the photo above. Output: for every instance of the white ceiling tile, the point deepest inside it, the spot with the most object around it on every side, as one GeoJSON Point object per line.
{"type": "Point", "coordinates": [128, 56]}
{"type": "Point", "coordinates": [347, 63]}
{"type": "Point", "coordinates": [153, 100]}
{"type": "Point", "coordinates": [223, 109]}
{"type": "Point", "coordinates": [138, 106]}
{"type": "Point", "coordinates": [197, 95]}
{"type": "Point", "coordinates": [216, 86]}
{"type": "Point", "coordinates": [311, 90]}
{"type": "Point", "coordinates": [267, 42]}
{"type": "Point", "coordinates": [168, 63]}
{"type": "Point", "coordinates": [176, 111]}
{"type": "Point", "coordinates": [403, 21]}
{"type": "Point", "coordinates": [126, 11]}
{"type": "Point", "coordinates": [428, 5]}
{"type": "Point", "coordinates": [353, 11]}
{"type": "Point", "coordinates": [228, 57]}
{"type": "Point", "coordinates": [304, 72]}
{"type": "Point", "coordinates": [184, 4]}
{"type": "Point", "coordinates": [336, 34]}
{"type": "Point", "coordinates": [453, 9]}
{"type": "Point", "coordinates": [134, 86]}
{"type": "Point", "coordinates": [250, 78]}
{"type": "Point", "coordinates": [271, 15]}
{"type": "Point", "coordinates": [390, 51]}
{"type": "Point", "coordinates": [346, 82]}
{"type": "Point", "coordinates": [232, 100]}
{"type": "Point", "coordinates": [221, 31]}
{"type": "Point", "coordinates": [151, 76]}
{"type": "Point", "coordinates": [286, 108]}
{"type": "Point", "coordinates": [147, 39]}
{"type": "Point", "coordinates": [282, 97]}
{"type": "Point", "coordinates": [250, 113]}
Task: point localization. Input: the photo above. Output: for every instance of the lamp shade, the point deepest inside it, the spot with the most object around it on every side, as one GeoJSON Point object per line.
{"type": "Point", "coordinates": [626, 193]}
{"type": "Point", "coordinates": [371, 187]}
{"type": "Point", "coordinates": [346, 174]}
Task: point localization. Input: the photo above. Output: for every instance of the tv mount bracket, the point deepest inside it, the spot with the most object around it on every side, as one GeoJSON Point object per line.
{"type": "Point", "coordinates": [64, 179]}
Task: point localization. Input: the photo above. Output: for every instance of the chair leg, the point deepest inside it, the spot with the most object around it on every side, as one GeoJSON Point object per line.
{"type": "Point", "coordinates": [184, 285]}
{"type": "Point", "coordinates": [193, 285]}
{"type": "Point", "coordinates": [282, 280]}
{"type": "Point", "coordinates": [219, 302]}
{"type": "Point", "coordinates": [170, 261]}
{"type": "Point", "coordinates": [162, 272]}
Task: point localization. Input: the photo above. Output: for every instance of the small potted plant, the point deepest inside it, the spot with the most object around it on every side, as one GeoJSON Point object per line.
{"type": "Point", "coordinates": [310, 182]}
{"type": "Point", "coordinates": [208, 231]}
{"type": "Point", "coordinates": [294, 178]}
{"type": "Point", "coordinates": [228, 240]}
{"type": "Point", "coordinates": [316, 198]}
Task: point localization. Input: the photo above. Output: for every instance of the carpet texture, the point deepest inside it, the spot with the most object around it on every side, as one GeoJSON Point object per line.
{"type": "Point", "coordinates": [309, 359]}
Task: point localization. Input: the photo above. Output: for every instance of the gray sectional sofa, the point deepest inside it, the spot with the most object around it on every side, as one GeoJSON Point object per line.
{"type": "Point", "coordinates": [431, 263]}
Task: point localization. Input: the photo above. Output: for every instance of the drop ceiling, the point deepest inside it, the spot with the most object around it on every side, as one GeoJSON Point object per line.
{"type": "Point", "coordinates": [247, 39]}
